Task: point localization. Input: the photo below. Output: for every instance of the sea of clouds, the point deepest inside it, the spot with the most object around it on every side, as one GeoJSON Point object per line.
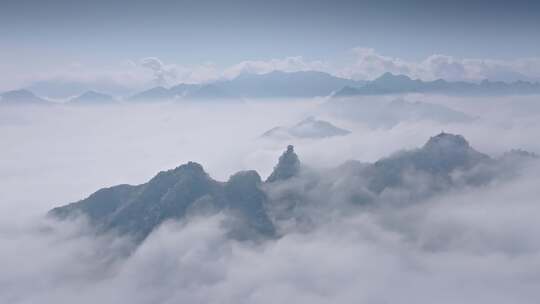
{"type": "Point", "coordinates": [466, 245]}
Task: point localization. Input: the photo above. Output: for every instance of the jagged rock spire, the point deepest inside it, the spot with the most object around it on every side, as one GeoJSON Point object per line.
{"type": "Point", "coordinates": [287, 167]}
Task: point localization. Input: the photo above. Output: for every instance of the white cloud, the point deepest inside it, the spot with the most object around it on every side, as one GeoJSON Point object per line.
{"type": "Point", "coordinates": [163, 74]}
{"type": "Point", "coordinates": [486, 252]}
{"type": "Point", "coordinates": [368, 64]}
{"type": "Point", "coordinates": [288, 64]}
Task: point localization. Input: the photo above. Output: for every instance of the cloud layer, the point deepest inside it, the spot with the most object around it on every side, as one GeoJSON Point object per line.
{"type": "Point", "coordinates": [475, 245]}
{"type": "Point", "coordinates": [465, 247]}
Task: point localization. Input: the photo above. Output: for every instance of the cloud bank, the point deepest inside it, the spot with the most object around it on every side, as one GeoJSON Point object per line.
{"type": "Point", "coordinates": [368, 64]}
{"type": "Point", "coordinates": [466, 245]}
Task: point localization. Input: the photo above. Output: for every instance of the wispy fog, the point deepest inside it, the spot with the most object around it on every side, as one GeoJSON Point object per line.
{"type": "Point", "coordinates": [469, 244]}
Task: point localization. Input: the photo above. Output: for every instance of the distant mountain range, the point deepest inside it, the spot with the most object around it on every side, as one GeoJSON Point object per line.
{"type": "Point", "coordinates": [21, 97]}
{"type": "Point", "coordinates": [176, 193]}
{"type": "Point", "coordinates": [257, 209]}
{"type": "Point", "coordinates": [302, 84]}
{"type": "Point", "coordinates": [92, 97]}
{"type": "Point", "coordinates": [312, 84]}
{"type": "Point", "coordinates": [397, 84]}
{"type": "Point", "coordinates": [194, 92]}
{"type": "Point", "coordinates": [282, 84]}
{"type": "Point", "coordinates": [307, 128]}
{"type": "Point", "coordinates": [271, 85]}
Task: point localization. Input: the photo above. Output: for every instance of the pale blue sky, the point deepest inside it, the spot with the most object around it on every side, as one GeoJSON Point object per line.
{"type": "Point", "coordinates": [225, 32]}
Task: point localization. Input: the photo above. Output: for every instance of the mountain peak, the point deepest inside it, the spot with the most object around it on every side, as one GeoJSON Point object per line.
{"type": "Point", "coordinates": [290, 149]}
{"type": "Point", "coordinates": [287, 167]}
{"type": "Point", "coordinates": [447, 141]}
{"type": "Point", "coordinates": [191, 167]}
{"type": "Point", "coordinates": [445, 152]}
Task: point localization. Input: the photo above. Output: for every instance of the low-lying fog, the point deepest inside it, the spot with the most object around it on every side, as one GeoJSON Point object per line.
{"type": "Point", "coordinates": [54, 155]}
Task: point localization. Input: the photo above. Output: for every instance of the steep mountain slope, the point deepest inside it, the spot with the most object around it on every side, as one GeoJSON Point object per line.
{"type": "Point", "coordinates": [287, 167]}
{"type": "Point", "coordinates": [257, 210]}
{"type": "Point", "coordinates": [438, 158]}
{"type": "Point", "coordinates": [137, 210]}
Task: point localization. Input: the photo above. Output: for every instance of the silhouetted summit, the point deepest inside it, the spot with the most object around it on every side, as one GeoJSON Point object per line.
{"type": "Point", "coordinates": [287, 167]}
{"type": "Point", "coordinates": [138, 210]}
{"type": "Point", "coordinates": [439, 157]}
{"type": "Point", "coordinates": [448, 151]}
{"type": "Point", "coordinates": [446, 141]}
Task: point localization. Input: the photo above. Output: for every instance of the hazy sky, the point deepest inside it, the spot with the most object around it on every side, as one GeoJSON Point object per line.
{"type": "Point", "coordinates": [230, 31]}
{"type": "Point", "coordinates": [40, 36]}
